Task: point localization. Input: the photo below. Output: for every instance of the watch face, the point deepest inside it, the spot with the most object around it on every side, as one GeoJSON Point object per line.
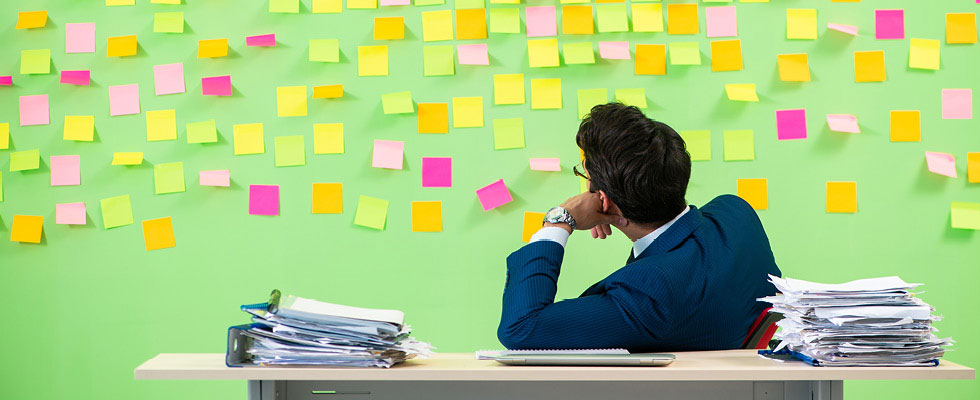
{"type": "Point", "coordinates": [553, 214]}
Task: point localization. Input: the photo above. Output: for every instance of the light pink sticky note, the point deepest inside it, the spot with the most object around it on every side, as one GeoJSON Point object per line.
{"type": "Point", "coordinates": [494, 195]}
{"type": "Point", "coordinates": [261, 40]}
{"type": "Point", "coordinates": [263, 199]}
{"type": "Point", "coordinates": [473, 54]}
{"type": "Point", "coordinates": [791, 124]}
{"type": "Point", "coordinates": [848, 29]}
{"type": "Point", "coordinates": [437, 172]}
{"type": "Point", "coordinates": [843, 123]}
{"type": "Point", "coordinates": [66, 170]}
{"type": "Point", "coordinates": [218, 177]}
{"type": "Point", "coordinates": [34, 110]}
{"type": "Point", "coordinates": [386, 3]}
{"type": "Point", "coordinates": [124, 99]}
{"type": "Point", "coordinates": [168, 78]}
{"type": "Point", "coordinates": [70, 213]}
{"type": "Point", "coordinates": [957, 103]}
{"type": "Point", "coordinates": [80, 38]}
{"type": "Point", "coordinates": [721, 21]}
{"type": "Point", "coordinates": [81, 78]}
{"type": "Point", "coordinates": [388, 154]}
{"type": "Point", "coordinates": [614, 50]}
{"type": "Point", "coordinates": [6, 80]}
{"type": "Point", "coordinates": [216, 85]}
{"type": "Point", "coordinates": [541, 21]}
{"type": "Point", "coordinates": [941, 163]}
{"type": "Point", "coordinates": [546, 164]}
{"type": "Point", "coordinates": [889, 24]}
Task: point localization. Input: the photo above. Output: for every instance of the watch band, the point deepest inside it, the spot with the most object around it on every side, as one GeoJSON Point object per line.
{"type": "Point", "coordinates": [558, 215]}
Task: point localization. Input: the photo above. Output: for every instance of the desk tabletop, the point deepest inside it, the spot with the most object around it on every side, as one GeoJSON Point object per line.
{"type": "Point", "coordinates": [727, 365]}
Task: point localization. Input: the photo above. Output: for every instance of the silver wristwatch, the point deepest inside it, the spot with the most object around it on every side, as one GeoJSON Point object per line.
{"type": "Point", "coordinates": [559, 214]}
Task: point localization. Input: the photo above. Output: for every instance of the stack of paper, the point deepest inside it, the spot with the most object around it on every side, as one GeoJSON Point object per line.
{"type": "Point", "coordinates": [867, 322]}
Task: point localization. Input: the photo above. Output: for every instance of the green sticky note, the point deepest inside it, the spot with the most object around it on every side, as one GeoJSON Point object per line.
{"type": "Point", "coordinates": [964, 215]}
{"type": "Point", "coordinates": [169, 177]}
{"type": "Point", "coordinates": [508, 133]}
{"type": "Point", "coordinates": [698, 144]}
{"type": "Point", "coordinates": [397, 103]}
{"type": "Point", "coordinates": [116, 211]}
{"type": "Point", "coordinates": [632, 97]}
{"type": "Point", "coordinates": [739, 145]}
{"type": "Point", "coordinates": [25, 160]}
{"type": "Point", "coordinates": [468, 4]}
{"type": "Point", "coordinates": [284, 6]}
{"type": "Point", "coordinates": [35, 61]}
{"type": "Point", "coordinates": [438, 60]}
{"type": "Point", "coordinates": [588, 98]}
{"type": "Point", "coordinates": [326, 50]}
{"type": "Point", "coordinates": [290, 151]}
{"type": "Point", "coordinates": [1, 186]}
{"type": "Point", "coordinates": [168, 22]}
{"type": "Point", "coordinates": [371, 212]}
{"type": "Point", "coordinates": [505, 20]}
{"type": "Point", "coordinates": [578, 53]}
{"type": "Point", "coordinates": [611, 18]}
{"type": "Point", "coordinates": [202, 132]}
{"type": "Point", "coordinates": [685, 53]}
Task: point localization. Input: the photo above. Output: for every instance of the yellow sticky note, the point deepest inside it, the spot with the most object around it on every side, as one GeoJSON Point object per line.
{"type": "Point", "coordinates": [437, 25]}
{"type": "Point", "coordinates": [249, 139]}
{"type": "Point", "coordinates": [741, 92]}
{"type": "Point", "coordinates": [755, 192]}
{"type": "Point", "coordinates": [362, 4]}
{"type": "Point", "coordinates": [577, 20]}
{"type": "Point", "coordinates": [328, 198]}
{"type": "Point", "coordinates": [161, 125]}
{"type": "Point", "coordinates": [842, 197]}
{"type": "Point", "coordinates": [869, 66]}
{"type": "Point", "coordinates": [284, 6]}
{"type": "Point", "coordinates": [924, 53]}
{"type": "Point", "coordinates": [726, 55]}
{"type": "Point", "coordinates": [546, 93]}
{"type": "Point", "coordinates": [426, 216]}
{"type": "Point", "coordinates": [79, 127]}
{"type": "Point", "coordinates": [291, 101]}
{"type": "Point", "coordinates": [328, 138]}
{"type": "Point", "coordinates": [212, 48]}
{"type": "Point", "coordinates": [26, 228]}
{"type": "Point", "coordinates": [389, 28]}
{"type": "Point", "coordinates": [508, 89]}
{"type": "Point", "coordinates": [648, 17]}
{"type": "Point", "coordinates": [158, 233]}
{"type": "Point", "coordinates": [328, 92]}
{"type": "Point", "coordinates": [973, 167]}
{"type": "Point", "coordinates": [801, 23]}
{"type": "Point", "coordinates": [110, 3]}
{"type": "Point", "coordinates": [130, 158]}
{"type": "Point", "coordinates": [532, 223]}
{"type": "Point", "coordinates": [4, 138]}
{"type": "Point", "coordinates": [164, 1]}
{"type": "Point", "coordinates": [542, 52]}
{"type": "Point", "coordinates": [121, 46]}
{"type": "Point", "coordinates": [961, 28]}
{"type": "Point", "coordinates": [682, 19]}
{"type": "Point", "coordinates": [793, 67]}
{"type": "Point", "coordinates": [467, 112]}
{"type": "Point", "coordinates": [905, 126]}
{"type": "Point", "coordinates": [31, 19]}
{"type": "Point", "coordinates": [372, 60]}
{"type": "Point", "coordinates": [327, 6]}
{"type": "Point", "coordinates": [650, 59]}
{"type": "Point", "coordinates": [433, 118]}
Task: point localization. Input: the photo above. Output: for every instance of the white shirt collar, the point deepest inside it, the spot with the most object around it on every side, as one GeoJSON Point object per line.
{"type": "Point", "coordinates": [642, 243]}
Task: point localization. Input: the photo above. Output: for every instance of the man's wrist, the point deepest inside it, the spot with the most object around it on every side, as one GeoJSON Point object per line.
{"type": "Point", "coordinates": [562, 225]}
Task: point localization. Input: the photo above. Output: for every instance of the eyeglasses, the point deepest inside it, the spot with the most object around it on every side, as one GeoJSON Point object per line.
{"type": "Point", "coordinates": [579, 173]}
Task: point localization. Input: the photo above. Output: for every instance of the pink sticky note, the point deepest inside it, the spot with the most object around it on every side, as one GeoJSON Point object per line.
{"type": "Point", "coordinates": [791, 124]}
{"type": "Point", "coordinates": [541, 21]}
{"type": "Point", "coordinates": [941, 163]}
{"type": "Point", "coordinates": [848, 29]}
{"type": "Point", "coordinates": [473, 54]}
{"type": "Point", "coordinates": [957, 103]}
{"type": "Point", "coordinates": [494, 195]}
{"type": "Point", "coordinates": [124, 99]}
{"type": "Point", "coordinates": [843, 123]}
{"type": "Point", "coordinates": [721, 21]}
{"type": "Point", "coordinates": [34, 110]}
{"type": "Point", "coordinates": [6, 80]}
{"type": "Point", "coordinates": [66, 170]}
{"type": "Point", "coordinates": [614, 50]}
{"type": "Point", "coordinates": [437, 172]}
{"type": "Point", "coordinates": [889, 24]}
{"type": "Point", "coordinates": [261, 40]}
{"type": "Point", "coordinates": [546, 164]}
{"type": "Point", "coordinates": [386, 3]}
{"type": "Point", "coordinates": [388, 154]}
{"type": "Point", "coordinates": [80, 38]}
{"type": "Point", "coordinates": [82, 78]}
{"type": "Point", "coordinates": [168, 78]}
{"type": "Point", "coordinates": [263, 199]}
{"type": "Point", "coordinates": [216, 85]}
{"type": "Point", "coordinates": [70, 213]}
{"type": "Point", "coordinates": [219, 177]}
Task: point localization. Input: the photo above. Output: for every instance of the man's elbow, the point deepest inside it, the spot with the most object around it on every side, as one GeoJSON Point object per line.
{"type": "Point", "coordinates": [511, 339]}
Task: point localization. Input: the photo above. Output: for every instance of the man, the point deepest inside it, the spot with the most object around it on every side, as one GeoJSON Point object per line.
{"type": "Point", "coordinates": [692, 277]}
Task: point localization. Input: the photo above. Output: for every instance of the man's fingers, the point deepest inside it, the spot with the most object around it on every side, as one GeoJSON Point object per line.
{"type": "Point", "coordinates": [595, 234]}
{"type": "Point", "coordinates": [607, 229]}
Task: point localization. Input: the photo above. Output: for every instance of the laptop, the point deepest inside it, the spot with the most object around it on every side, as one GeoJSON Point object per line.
{"type": "Point", "coordinates": [611, 360]}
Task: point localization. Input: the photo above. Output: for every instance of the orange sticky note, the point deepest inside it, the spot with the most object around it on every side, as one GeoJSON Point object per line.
{"type": "Point", "coordinates": [121, 46]}
{"type": "Point", "coordinates": [842, 197]}
{"type": "Point", "coordinates": [212, 48]}
{"type": "Point", "coordinates": [755, 192]}
{"type": "Point", "coordinates": [577, 20]}
{"type": "Point", "coordinates": [26, 229]}
{"type": "Point", "coordinates": [328, 198]}
{"type": "Point", "coordinates": [793, 67]}
{"type": "Point", "coordinates": [532, 222]}
{"type": "Point", "coordinates": [906, 126]}
{"type": "Point", "coordinates": [682, 19]}
{"type": "Point", "coordinates": [389, 28]}
{"type": "Point", "coordinates": [869, 66]}
{"type": "Point", "coordinates": [158, 233]}
{"type": "Point", "coordinates": [726, 55]}
{"type": "Point", "coordinates": [471, 24]}
{"type": "Point", "coordinates": [973, 167]}
{"type": "Point", "coordinates": [650, 59]}
{"type": "Point", "coordinates": [433, 117]}
{"type": "Point", "coordinates": [31, 19]}
{"type": "Point", "coordinates": [427, 216]}
{"type": "Point", "coordinates": [961, 28]}
{"type": "Point", "coordinates": [328, 91]}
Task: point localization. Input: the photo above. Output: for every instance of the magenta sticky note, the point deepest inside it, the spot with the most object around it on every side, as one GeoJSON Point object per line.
{"type": "Point", "coordinates": [437, 172]}
{"type": "Point", "coordinates": [386, 3]}
{"type": "Point", "coordinates": [848, 29]}
{"type": "Point", "coordinates": [81, 78]}
{"type": "Point", "coordinates": [721, 21]}
{"type": "Point", "coordinates": [218, 177]}
{"type": "Point", "coordinates": [80, 37]}
{"type": "Point", "coordinates": [66, 170]}
{"type": "Point", "coordinates": [541, 21]}
{"type": "Point", "coordinates": [546, 164]}
{"type": "Point", "coordinates": [494, 195]}
{"type": "Point", "coordinates": [34, 110]}
{"type": "Point", "coordinates": [889, 24]}
{"type": "Point", "coordinates": [6, 80]}
{"type": "Point", "coordinates": [473, 54]}
{"type": "Point", "coordinates": [263, 199]}
{"type": "Point", "coordinates": [70, 213]}
{"type": "Point", "coordinates": [957, 103]}
{"type": "Point", "coordinates": [843, 123]}
{"type": "Point", "coordinates": [261, 40]}
{"type": "Point", "coordinates": [388, 154]}
{"type": "Point", "coordinates": [941, 163]}
{"type": "Point", "coordinates": [168, 78]}
{"type": "Point", "coordinates": [791, 124]}
{"type": "Point", "coordinates": [124, 99]}
{"type": "Point", "coordinates": [216, 85]}
{"type": "Point", "coordinates": [614, 50]}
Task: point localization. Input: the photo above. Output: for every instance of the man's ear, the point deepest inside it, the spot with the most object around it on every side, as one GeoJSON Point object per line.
{"type": "Point", "coordinates": [608, 206]}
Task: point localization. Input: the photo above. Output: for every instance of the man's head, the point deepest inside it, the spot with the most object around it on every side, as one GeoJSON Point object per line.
{"type": "Point", "coordinates": [640, 164]}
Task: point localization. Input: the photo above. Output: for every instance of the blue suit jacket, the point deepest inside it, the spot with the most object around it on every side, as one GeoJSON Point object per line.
{"type": "Point", "coordinates": [693, 288]}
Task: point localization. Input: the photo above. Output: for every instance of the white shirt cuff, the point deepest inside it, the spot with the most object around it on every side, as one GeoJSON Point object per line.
{"type": "Point", "coordinates": [552, 233]}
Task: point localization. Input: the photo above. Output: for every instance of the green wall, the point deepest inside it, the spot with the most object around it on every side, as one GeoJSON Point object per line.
{"type": "Point", "coordinates": [88, 305]}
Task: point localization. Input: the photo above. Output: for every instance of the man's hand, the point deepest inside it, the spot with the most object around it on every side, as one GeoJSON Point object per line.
{"type": "Point", "coordinates": [588, 211]}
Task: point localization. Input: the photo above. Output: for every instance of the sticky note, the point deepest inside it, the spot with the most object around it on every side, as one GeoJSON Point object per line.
{"type": "Point", "coordinates": [720, 21]}
{"type": "Point", "coordinates": [216, 85]}
{"type": "Point", "coordinates": [467, 112]}
{"type": "Point", "coordinates": [267, 40]}
{"type": "Point", "coordinates": [973, 167]}
{"type": "Point", "coordinates": [508, 89]}
{"type": "Point", "coordinates": [508, 133]}
{"type": "Point", "coordinates": [249, 139]}
{"type": "Point", "coordinates": [545, 164]}
{"type": "Point", "coordinates": [755, 192]}
{"type": "Point", "coordinates": [505, 20]}
{"type": "Point", "coordinates": [116, 211]}
{"type": "Point", "coordinates": [791, 124]}
{"type": "Point", "coordinates": [6, 80]}
{"type": "Point", "coordinates": [726, 55]}
{"type": "Point", "coordinates": [741, 92]}
{"type": "Point", "coordinates": [438, 60]}
{"type": "Point", "coordinates": [841, 197]}
{"type": "Point", "coordinates": [372, 60]}
{"type": "Point", "coordinates": [542, 52]}
{"type": "Point", "coordinates": [362, 4]}
{"type": "Point", "coordinates": [698, 144]}
{"type": "Point", "coordinates": [389, 28]}
{"type": "Point", "coordinates": [35, 61]}
{"type": "Point", "coordinates": [328, 198]}
{"type": "Point", "coordinates": [793, 67]}
{"type": "Point", "coordinates": [961, 28]}
{"type": "Point", "coordinates": [165, 1]}
{"type": "Point", "coordinates": [889, 24]}
{"type": "Point", "coordinates": [905, 126]}
{"type": "Point", "coordinates": [110, 3]}
{"type": "Point", "coordinates": [25, 160]}
{"type": "Point", "coordinates": [130, 158]}
{"type": "Point", "coordinates": [158, 233]}
{"type": "Point", "coordinates": [291, 101]}
{"type": "Point", "coordinates": [371, 212]}
{"type": "Point", "coordinates": [70, 213]}
{"type": "Point", "coordinates": [846, 123]}
{"type": "Point", "coordinates": [124, 99]}
{"type": "Point", "coordinates": [212, 48]}
{"type": "Point", "coordinates": [325, 50]}
{"type": "Point", "coordinates": [81, 78]}
{"type": "Point", "coordinates": [31, 19]}
{"type": "Point", "coordinates": [80, 37]}
{"type": "Point", "coordinates": [614, 50]}
{"type": "Point", "coordinates": [739, 145]}
{"type": "Point", "coordinates": [924, 53]}
{"type": "Point", "coordinates": [437, 172]}
{"type": "Point", "coordinates": [471, 24]}
{"type": "Point", "coordinates": [588, 98]}
{"type": "Point", "coordinates": [26, 228]}
{"type": "Point", "coordinates": [473, 54]}
{"type": "Point", "coordinates": [651, 59]}
{"type": "Point", "coordinates": [290, 151]}
{"type": "Point", "coordinates": [121, 46]}
{"type": "Point", "coordinates": [685, 53]}
{"type": "Point", "coordinates": [494, 195]}
{"type": "Point", "coordinates": [433, 118]}
{"type": "Point", "coordinates": [161, 125]}
{"type": "Point", "coordinates": [469, 4]}
{"type": "Point", "coordinates": [612, 18]}
{"type": "Point", "coordinates": [541, 21]}
{"type": "Point", "coordinates": [168, 22]}
{"type": "Point", "coordinates": [263, 199]}
{"type": "Point", "coordinates": [1, 186]}
{"type": "Point", "coordinates": [66, 170]}
{"type": "Point", "coordinates": [647, 17]}
{"type": "Point", "coordinates": [532, 223]}
{"type": "Point", "coordinates": [682, 19]}
{"type": "Point", "coordinates": [437, 25]}
{"type": "Point", "coordinates": [426, 216]}
{"type": "Point", "coordinates": [546, 93]}
{"type": "Point", "coordinates": [284, 6]}
{"type": "Point", "coordinates": [397, 103]}
{"type": "Point", "coordinates": [843, 28]}
{"type": "Point", "coordinates": [957, 103]}
{"type": "Point", "coordinates": [34, 110]}
{"type": "Point", "coordinates": [578, 53]}
{"type": "Point", "coordinates": [801, 23]}
{"type": "Point", "coordinates": [328, 92]}
{"type": "Point", "coordinates": [202, 132]}
{"type": "Point", "coordinates": [218, 177]}
{"type": "Point", "coordinates": [964, 215]}
{"type": "Point", "coordinates": [941, 163]}
{"type": "Point", "coordinates": [576, 20]}
{"type": "Point", "coordinates": [327, 6]}
{"type": "Point", "coordinates": [168, 78]}
{"type": "Point", "coordinates": [168, 177]}
{"type": "Point", "coordinates": [869, 66]}
{"type": "Point", "coordinates": [4, 137]}
{"type": "Point", "coordinates": [388, 154]}
{"type": "Point", "coordinates": [632, 97]}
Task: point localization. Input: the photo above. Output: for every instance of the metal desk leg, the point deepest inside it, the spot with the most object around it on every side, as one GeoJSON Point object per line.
{"type": "Point", "coordinates": [798, 390]}
{"type": "Point", "coordinates": [266, 390]}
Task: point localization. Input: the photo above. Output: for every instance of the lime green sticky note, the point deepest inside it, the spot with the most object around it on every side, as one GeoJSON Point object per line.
{"type": "Point", "coordinates": [290, 151]}
{"type": "Point", "coordinates": [168, 22]}
{"type": "Point", "coordinates": [964, 215]}
{"type": "Point", "coordinates": [578, 53]}
{"type": "Point", "coordinates": [698, 144]}
{"type": "Point", "coordinates": [469, 4]}
{"type": "Point", "coordinates": [632, 97]}
{"type": "Point", "coordinates": [371, 212]}
{"type": "Point", "coordinates": [284, 6]}
{"type": "Point", "coordinates": [116, 211]}
{"type": "Point", "coordinates": [739, 145]}
{"type": "Point", "coordinates": [508, 133]}
{"type": "Point", "coordinates": [202, 132]}
{"type": "Point", "coordinates": [325, 50]}
{"type": "Point", "coordinates": [169, 177]}
{"type": "Point", "coordinates": [611, 18]}
{"type": "Point", "coordinates": [685, 53]}
{"type": "Point", "coordinates": [438, 60]}
{"type": "Point", "coordinates": [588, 98]}
{"type": "Point", "coordinates": [35, 61]}
{"type": "Point", "coordinates": [1, 186]}
{"type": "Point", "coordinates": [25, 160]}
{"type": "Point", "coordinates": [397, 103]}
{"type": "Point", "coordinates": [505, 20]}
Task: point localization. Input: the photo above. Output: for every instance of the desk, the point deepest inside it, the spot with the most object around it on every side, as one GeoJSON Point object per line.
{"type": "Point", "coordinates": [730, 374]}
